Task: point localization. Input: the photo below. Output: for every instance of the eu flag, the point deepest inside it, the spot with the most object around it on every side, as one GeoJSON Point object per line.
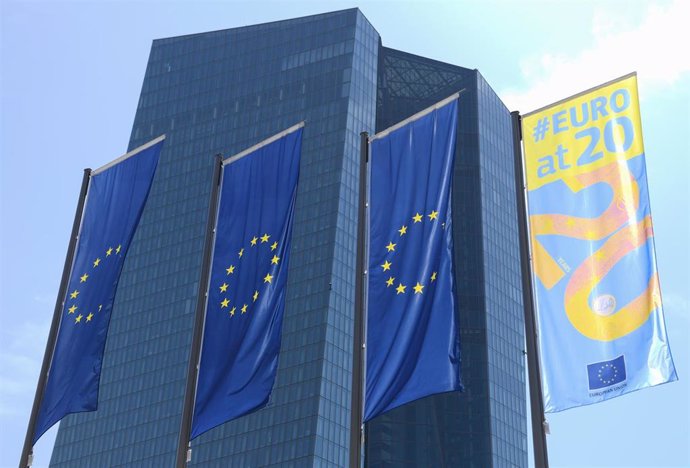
{"type": "Point", "coordinates": [606, 374]}
{"type": "Point", "coordinates": [114, 203]}
{"type": "Point", "coordinates": [412, 337]}
{"type": "Point", "coordinates": [246, 295]}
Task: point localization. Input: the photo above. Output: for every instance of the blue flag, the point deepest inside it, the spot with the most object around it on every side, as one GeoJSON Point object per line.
{"type": "Point", "coordinates": [412, 335]}
{"type": "Point", "coordinates": [606, 373]}
{"type": "Point", "coordinates": [246, 297]}
{"type": "Point", "coordinates": [114, 203]}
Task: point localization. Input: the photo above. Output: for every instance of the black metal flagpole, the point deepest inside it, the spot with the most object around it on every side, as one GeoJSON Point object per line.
{"type": "Point", "coordinates": [27, 452]}
{"type": "Point", "coordinates": [541, 458]}
{"type": "Point", "coordinates": [184, 451]}
{"type": "Point", "coordinates": [358, 332]}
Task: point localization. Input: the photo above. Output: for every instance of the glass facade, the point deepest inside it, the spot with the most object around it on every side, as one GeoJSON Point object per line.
{"type": "Point", "coordinates": [223, 91]}
{"type": "Point", "coordinates": [486, 424]}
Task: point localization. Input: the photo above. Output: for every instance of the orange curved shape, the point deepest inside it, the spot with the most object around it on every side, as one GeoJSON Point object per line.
{"type": "Point", "coordinates": [588, 275]}
{"type": "Point", "coordinates": [624, 203]}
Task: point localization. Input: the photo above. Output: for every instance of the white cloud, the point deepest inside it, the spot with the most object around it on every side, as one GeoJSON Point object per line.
{"type": "Point", "coordinates": [656, 48]}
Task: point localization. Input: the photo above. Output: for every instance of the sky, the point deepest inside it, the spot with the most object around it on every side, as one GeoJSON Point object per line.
{"type": "Point", "coordinates": [70, 78]}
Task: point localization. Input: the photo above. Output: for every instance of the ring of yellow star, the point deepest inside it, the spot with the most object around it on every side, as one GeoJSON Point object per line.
{"type": "Point", "coordinates": [386, 265]}
{"type": "Point", "coordinates": [74, 296]}
{"type": "Point", "coordinates": [268, 279]}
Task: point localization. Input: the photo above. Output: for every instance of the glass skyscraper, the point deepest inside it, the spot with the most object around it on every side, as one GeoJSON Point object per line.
{"type": "Point", "coordinates": [224, 91]}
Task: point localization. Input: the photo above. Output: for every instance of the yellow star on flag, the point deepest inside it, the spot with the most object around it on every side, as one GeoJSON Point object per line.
{"type": "Point", "coordinates": [253, 241]}
{"type": "Point", "coordinates": [256, 295]}
{"type": "Point", "coordinates": [390, 281]}
{"type": "Point", "coordinates": [223, 287]}
{"type": "Point", "coordinates": [386, 265]}
{"type": "Point", "coordinates": [403, 230]}
{"type": "Point", "coordinates": [83, 278]}
{"type": "Point", "coordinates": [224, 303]}
{"type": "Point", "coordinates": [89, 317]}
{"type": "Point", "coordinates": [118, 249]}
{"type": "Point", "coordinates": [78, 319]}
{"type": "Point", "coordinates": [74, 294]}
{"type": "Point", "coordinates": [433, 215]}
{"type": "Point", "coordinates": [265, 238]}
{"type": "Point", "coordinates": [241, 252]}
{"type": "Point", "coordinates": [391, 247]}
{"type": "Point", "coordinates": [109, 252]}
{"type": "Point", "coordinates": [244, 308]}
{"type": "Point", "coordinates": [268, 278]}
{"type": "Point", "coordinates": [230, 269]}
{"type": "Point", "coordinates": [275, 259]}
{"type": "Point", "coordinates": [418, 288]}
{"type": "Point", "coordinates": [274, 245]}
{"type": "Point", "coordinates": [401, 288]}
{"type": "Point", "coordinates": [417, 218]}
{"type": "Point", "coordinates": [232, 311]}
{"type": "Point", "coordinates": [433, 276]}
{"type": "Point", "coordinates": [72, 309]}
{"type": "Point", "coordinates": [96, 262]}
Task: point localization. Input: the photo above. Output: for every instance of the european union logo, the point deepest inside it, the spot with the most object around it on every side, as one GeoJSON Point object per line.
{"type": "Point", "coordinates": [412, 335]}
{"type": "Point", "coordinates": [86, 300]}
{"type": "Point", "coordinates": [115, 200]}
{"type": "Point", "coordinates": [246, 297]}
{"type": "Point", "coordinates": [255, 254]}
{"type": "Point", "coordinates": [606, 373]}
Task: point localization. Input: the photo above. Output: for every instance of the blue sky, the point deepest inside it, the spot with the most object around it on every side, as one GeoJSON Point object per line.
{"type": "Point", "coordinates": [70, 79]}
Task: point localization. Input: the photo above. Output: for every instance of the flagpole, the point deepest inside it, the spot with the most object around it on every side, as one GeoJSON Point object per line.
{"type": "Point", "coordinates": [27, 452]}
{"type": "Point", "coordinates": [184, 451]}
{"type": "Point", "coordinates": [358, 331]}
{"type": "Point", "coordinates": [541, 458]}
